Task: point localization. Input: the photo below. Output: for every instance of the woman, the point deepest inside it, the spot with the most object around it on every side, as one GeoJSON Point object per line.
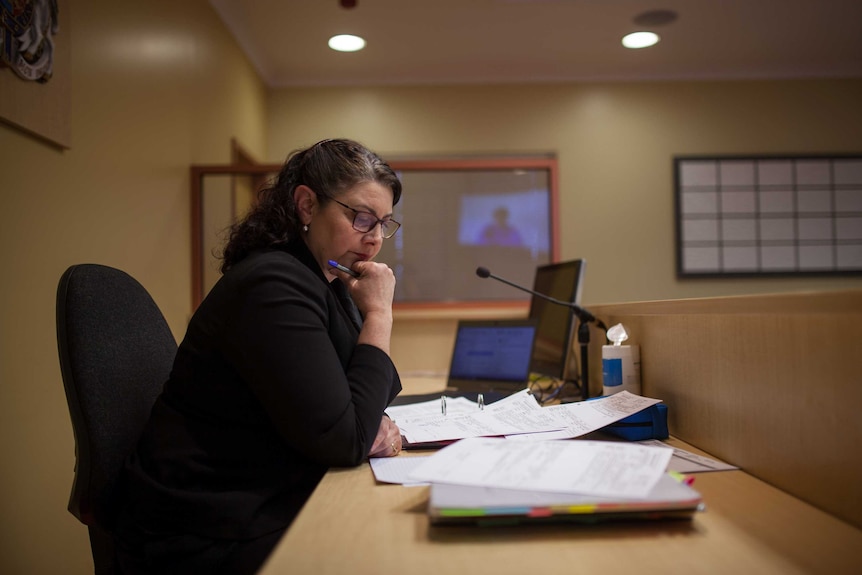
{"type": "Point", "coordinates": [278, 377]}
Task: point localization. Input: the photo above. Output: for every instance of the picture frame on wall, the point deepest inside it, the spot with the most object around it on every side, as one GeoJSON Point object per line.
{"type": "Point", "coordinates": [35, 80]}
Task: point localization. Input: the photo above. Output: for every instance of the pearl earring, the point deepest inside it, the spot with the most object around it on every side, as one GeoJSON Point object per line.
{"type": "Point", "coordinates": [305, 228]}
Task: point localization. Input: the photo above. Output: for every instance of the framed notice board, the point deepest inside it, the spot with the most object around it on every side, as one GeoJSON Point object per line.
{"type": "Point", "coordinates": [768, 215]}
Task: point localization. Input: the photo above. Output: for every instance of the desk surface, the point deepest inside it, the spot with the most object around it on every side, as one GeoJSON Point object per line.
{"type": "Point", "coordinates": [354, 525]}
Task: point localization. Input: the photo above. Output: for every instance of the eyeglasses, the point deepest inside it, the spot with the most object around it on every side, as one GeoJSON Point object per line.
{"type": "Point", "coordinates": [366, 221]}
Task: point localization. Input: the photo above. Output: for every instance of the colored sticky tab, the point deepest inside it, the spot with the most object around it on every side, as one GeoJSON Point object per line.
{"type": "Point", "coordinates": [686, 479]}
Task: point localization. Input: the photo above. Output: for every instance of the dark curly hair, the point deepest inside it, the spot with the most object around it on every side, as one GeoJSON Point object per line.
{"type": "Point", "coordinates": [329, 167]}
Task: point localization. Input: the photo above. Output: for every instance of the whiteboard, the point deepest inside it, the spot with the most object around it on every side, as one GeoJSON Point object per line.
{"type": "Point", "coordinates": [755, 215]}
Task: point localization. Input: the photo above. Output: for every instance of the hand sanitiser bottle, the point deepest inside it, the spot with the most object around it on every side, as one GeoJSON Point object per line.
{"type": "Point", "coordinates": [621, 364]}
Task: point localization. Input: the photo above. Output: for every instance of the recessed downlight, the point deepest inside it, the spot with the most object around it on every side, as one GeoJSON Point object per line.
{"type": "Point", "coordinates": [640, 39]}
{"type": "Point", "coordinates": [346, 43]}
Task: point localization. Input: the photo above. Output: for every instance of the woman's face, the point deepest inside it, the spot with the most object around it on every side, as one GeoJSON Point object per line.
{"type": "Point", "coordinates": [331, 235]}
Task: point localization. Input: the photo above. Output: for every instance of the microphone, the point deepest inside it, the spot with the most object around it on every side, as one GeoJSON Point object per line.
{"type": "Point", "coordinates": [584, 317]}
{"type": "Point", "coordinates": [581, 313]}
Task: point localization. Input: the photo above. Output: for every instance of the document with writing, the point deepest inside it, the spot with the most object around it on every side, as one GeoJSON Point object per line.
{"type": "Point", "coordinates": [518, 416]}
{"type": "Point", "coordinates": [583, 417]}
{"type": "Point", "coordinates": [687, 462]}
{"type": "Point", "coordinates": [518, 413]}
{"type": "Point", "coordinates": [431, 409]}
{"type": "Point", "coordinates": [607, 469]}
{"type": "Point", "coordinates": [395, 469]}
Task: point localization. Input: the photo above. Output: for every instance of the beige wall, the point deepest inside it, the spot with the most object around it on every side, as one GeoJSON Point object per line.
{"type": "Point", "coordinates": [615, 143]}
{"type": "Point", "coordinates": [156, 86]}
{"type": "Point", "coordinates": [160, 85]}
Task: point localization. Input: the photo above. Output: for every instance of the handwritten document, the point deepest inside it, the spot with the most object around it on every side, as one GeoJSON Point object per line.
{"type": "Point", "coordinates": [518, 416]}
{"type": "Point", "coordinates": [602, 468]}
{"type": "Point", "coordinates": [518, 413]}
{"type": "Point", "coordinates": [584, 417]}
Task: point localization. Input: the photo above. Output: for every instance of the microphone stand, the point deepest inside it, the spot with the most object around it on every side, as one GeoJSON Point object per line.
{"type": "Point", "coordinates": [584, 320]}
{"type": "Point", "coordinates": [584, 341]}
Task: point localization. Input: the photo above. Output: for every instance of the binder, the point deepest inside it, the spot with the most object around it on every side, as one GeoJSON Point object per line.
{"type": "Point", "coordinates": [651, 423]}
{"type": "Point", "coordinates": [450, 504]}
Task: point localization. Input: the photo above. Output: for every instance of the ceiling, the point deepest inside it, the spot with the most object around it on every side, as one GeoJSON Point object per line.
{"type": "Point", "coordinates": [421, 42]}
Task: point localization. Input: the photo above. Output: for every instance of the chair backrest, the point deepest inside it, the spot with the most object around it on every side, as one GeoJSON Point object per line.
{"type": "Point", "coordinates": [116, 352]}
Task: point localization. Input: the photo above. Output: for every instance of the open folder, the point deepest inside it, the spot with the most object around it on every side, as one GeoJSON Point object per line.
{"type": "Point", "coordinates": [451, 504]}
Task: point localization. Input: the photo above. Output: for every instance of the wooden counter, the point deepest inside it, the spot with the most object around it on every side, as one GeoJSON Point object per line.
{"type": "Point", "coordinates": [353, 525]}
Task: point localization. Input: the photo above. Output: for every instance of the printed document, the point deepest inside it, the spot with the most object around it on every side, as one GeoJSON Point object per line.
{"type": "Point", "coordinates": [583, 417]}
{"type": "Point", "coordinates": [518, 416]}
{"type": "Point", "coordinates": [602, 468]}
{"type": "Point", "coordinates": [396, 469]}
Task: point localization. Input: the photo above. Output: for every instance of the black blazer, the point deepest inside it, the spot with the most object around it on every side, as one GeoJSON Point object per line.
{"type": "Point", "coordinates": [269, 389]}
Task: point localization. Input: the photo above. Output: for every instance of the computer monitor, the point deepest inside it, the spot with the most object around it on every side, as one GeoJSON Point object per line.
{"type": "Point", "coordinates": [562, 281]}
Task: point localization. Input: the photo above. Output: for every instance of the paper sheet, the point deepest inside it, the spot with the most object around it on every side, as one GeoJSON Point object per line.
{"type": "Point", "coordinates": [603, 468]}
{"type": "Point", "coordinates": [583, 417]}
{"type": "Point", "coordinates": [427, 410]}
{"type": "Point", "coordinates": [518, 416]}
{"type": "Point", "coordinates": [396, 469]}
{"type": "Point", "coordinates": [687, 462]}
{"type": "Point", "coordinates": [668, 493]}
{"type": "Point", "coordinates": [518, 413]}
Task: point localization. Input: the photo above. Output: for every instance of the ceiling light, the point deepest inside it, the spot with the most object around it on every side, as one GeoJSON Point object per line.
{"type": "Point", "coordinates": [346, 43]}
{"type": "Point", "coordinates": [640, 39]}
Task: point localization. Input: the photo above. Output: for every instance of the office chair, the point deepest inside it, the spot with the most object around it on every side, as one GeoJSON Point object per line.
{"type": "Point", "coordinates": [116, 352]}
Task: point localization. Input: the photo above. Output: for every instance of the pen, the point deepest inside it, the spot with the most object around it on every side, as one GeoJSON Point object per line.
{"type": "Point", "coordinates": [340, 267]}
{"type": "Point", "coordinates": [481, 401]}
{"type": "Point", "coordinates": [443, 404]}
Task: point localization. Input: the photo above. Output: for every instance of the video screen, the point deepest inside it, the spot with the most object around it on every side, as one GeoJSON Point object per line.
{"type": "Point", "coordinates": [455, 221]}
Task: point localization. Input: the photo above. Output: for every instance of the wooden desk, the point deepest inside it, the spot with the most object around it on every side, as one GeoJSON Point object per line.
{"type": "Point", "coordinates": [352, 525]}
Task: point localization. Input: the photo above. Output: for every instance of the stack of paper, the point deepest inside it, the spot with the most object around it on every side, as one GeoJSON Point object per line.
{"type": "Point", "coordinates": [495, 481]}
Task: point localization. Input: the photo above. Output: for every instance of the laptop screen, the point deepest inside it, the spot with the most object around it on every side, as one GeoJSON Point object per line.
{"type": "Point", "coordinates": [493, 350]}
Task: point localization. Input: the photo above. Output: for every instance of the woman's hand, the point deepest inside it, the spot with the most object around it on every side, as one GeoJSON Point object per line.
{"type": "Point", "coordinates": [373, 292]}
{"type": "Point", "coordinates": [388, 440]}
{"type": "Point", "coordinates": [374, 289]}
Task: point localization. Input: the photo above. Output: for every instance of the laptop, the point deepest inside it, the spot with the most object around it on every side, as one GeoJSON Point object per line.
{"type": "Point", "coordinates": [491, 357]}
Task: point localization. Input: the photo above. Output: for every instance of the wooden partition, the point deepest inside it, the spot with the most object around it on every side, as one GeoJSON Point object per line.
{"type": "Point", "coordinates": [770, 383]}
